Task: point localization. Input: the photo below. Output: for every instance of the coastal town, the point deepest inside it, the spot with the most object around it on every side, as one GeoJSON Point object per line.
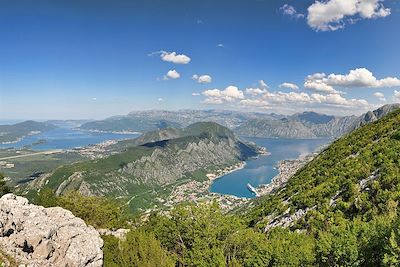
{"type": "Point", "coordinates": [287, 168]}
{"type": "Point", "coordinates": [200, 191]}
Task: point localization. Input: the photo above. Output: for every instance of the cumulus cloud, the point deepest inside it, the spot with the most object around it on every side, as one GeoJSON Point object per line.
{"type": "Point", "coordinates": [220, 45]}
{"type": "Point", "coordinates": [160, 99]}
{"type": "Point", "coordinates": [290, 11]}
{"type": "Point", "coordinates": [202, 78]}
{"type": "Point", "coordinates": [255, 91]}
{"type": "Point", "coordinates": [261, 98]}
{"type": "Point", "coordinates": [380, 96]}
{"type": "Point", "coordinates": [195, 94]}
{"type": "Point", "coordinates": [172, 74]}
{"type": "Point", "coordinates": [229, 94]}
{"type": "Point", "coordinates": [332, 15]}
{"type": "Point", "coordinates": [172, 57]}
{"type": "Point", "coordinates": [396, 96]}
{"type": "Point", "coordinates": [289, 86]}
{"type": "Point", "coordinates": [263, 84]}
{"type": "Point", "coordinates": [357, 78]}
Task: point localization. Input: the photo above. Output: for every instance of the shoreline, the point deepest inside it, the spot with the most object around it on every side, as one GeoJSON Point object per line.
{"type": "Point", "coordinates": [109, 132]}
{"type": "Point", "coordinates": [199, 191]}
{"type": "Point", "coordinates": [19, 139]}
{"type": "Point", "coordinates": [227, 170]}
{"type": "Point", "coordinates": [287, 168]}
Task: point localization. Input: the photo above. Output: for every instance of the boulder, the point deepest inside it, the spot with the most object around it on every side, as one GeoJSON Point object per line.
{"type": "Point", "coordinates": [38, 236]}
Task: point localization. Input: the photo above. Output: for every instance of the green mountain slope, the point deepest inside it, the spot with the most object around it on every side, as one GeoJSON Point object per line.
{"type": "Point", "coordinates": [346, 198]}
{"type": "Point", "coordinates": [11, 133]}
{"type": "Point", "coordinates": [131, 123]}
{"type": "Point", "coordinates": [151, 170]}
{"type": "Point", "coordinates": [341, 209]}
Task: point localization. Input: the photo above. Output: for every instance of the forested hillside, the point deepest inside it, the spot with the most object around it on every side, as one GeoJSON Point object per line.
{"type": "Point", "coordinates": [339, 210]}
{"type": "Point", "coordinates": [346, 199]}
{"type": "Point", "coordinates": [11, 133]}
{"type": "Point", "coordinates": [144, 175]}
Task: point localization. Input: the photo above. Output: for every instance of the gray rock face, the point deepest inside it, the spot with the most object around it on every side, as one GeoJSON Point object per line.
{"type": "Point", "coordinates": [38, 236]}
{"type": "Point", "coordinates": [310, 125]}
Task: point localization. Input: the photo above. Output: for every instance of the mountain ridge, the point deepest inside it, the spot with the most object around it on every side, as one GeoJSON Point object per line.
{"type": "Point", "coordinates": [14, 132]}
{"type": "Point", "coordinates": [305, 125]}
{"type": "Point", "coordinates": [155, 164]}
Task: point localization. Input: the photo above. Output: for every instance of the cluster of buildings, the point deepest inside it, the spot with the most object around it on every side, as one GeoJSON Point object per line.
{"type": "Point", "coordinates": [6, 165]}
{"type": "Point", "coordinates": [96, 151]}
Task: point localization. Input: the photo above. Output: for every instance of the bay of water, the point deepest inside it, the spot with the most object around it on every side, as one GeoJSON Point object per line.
{"type": "Point", "coordinates": [65, 138]}
{"type": "Point", "coordinates": [263, 169]}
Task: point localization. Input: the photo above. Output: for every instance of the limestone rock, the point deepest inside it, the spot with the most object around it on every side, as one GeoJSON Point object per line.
{"type": "Point", "coordinates": [38, 236]}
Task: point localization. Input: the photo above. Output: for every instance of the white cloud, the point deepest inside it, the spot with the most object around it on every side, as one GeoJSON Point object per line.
{"type": "Point", "coordinates": [396, 95]}
{"type": "Point", "coordinates": [202, 78]}
{"type": "Point", "coordinates": [332, 15]}
{"type": "Point", "coordinates": [289, 86]}
{"type": "Point", "coordinates": [289, 10]}
{"type": "Point", "coordinates": [338, 100]}
{"type": "Point", "coordinates": [172, 57]}
{"type": "Point", "coordinates": [357, 78]}
{"type": "Point", "coordinates": [317, 83]}
{"type": "Point", "coordinates": [172, 74]}
{"type": "Point", "coordinates": [160, 99]}
{"type": "Point", "coordinates": [195, 94]}
{"type": "Point", "coordinates": [260, 98]}
{"type": "Point", "coordinates": [263, 84]}
{"type": "Point", "coordinates": [220, 45]}
{"type": "Point", "coordinates": [94, 98]}
{"type": "Point", "coordinates": [229, 94]}
{"type": "Point", "coordinates": [255, 91]}
{"type": "Point", "coordinates": [380, 96]}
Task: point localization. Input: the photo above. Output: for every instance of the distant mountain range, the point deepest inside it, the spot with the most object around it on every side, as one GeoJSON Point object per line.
{"type": "Point", "coordinates": [150, 167]}
{"type": "Point", "coordinates": [11, 133]}
{"type": "Point", "coordinates": [301, 125]}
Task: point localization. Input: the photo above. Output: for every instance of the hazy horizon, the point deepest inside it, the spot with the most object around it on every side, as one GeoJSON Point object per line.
{"type": "Point", "coordinates": [17, 120]}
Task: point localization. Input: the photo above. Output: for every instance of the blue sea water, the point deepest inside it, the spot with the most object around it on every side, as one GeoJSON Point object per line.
{"type": "Point", "coordinates": [263, 169]}
{"type": "Point", "coordinates": [65, 138]}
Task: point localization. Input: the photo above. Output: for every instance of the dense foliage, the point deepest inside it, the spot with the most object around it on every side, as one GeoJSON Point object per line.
{"type": "Point", "coordinates": [99, 212]}
{"type": "Point", "coordinates": [3, 186]}
{"type": "Point", "coordinates": [351, 191]}
{"type": "Point", "coordinates": [348, 197]}
{"type": "Point", "coordinates": [137, 249]}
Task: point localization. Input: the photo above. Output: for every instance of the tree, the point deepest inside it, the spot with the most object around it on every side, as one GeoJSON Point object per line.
{"type": "Point", "coordinates": [4, 189]}
{"type": "Point", "coordinates": [139, 249]}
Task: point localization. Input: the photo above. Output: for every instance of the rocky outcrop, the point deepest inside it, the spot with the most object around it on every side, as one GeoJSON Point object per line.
{"type": "Point", "coordinates": [38, 236]}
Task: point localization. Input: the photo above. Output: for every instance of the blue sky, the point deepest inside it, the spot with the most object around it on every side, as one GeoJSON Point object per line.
{"type": "Point", "coordinates": [93, 59]}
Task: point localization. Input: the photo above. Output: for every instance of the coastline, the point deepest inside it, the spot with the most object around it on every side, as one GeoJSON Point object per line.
{"type": "Point", "coordinates": [19, 139]}
{"type": "Point", "coordinates": [287, 168]}
{"type": "Point", "coordinates": [200, 191]}
{"type": "Point", "coordinates": [100, 131]}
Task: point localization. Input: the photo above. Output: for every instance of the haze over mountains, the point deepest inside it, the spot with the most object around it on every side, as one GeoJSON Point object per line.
{"type": "Point", "coordinates": [300, 125]}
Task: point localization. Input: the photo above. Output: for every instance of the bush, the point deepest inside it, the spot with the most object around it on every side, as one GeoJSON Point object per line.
{"type": "Point", "coordinates": [138, 249]}
{"type": "Point", "coordinates": [4, 189]}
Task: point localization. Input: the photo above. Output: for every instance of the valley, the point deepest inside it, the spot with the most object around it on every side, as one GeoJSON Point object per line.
{"type": "Point", "coordinates": [245, 133]}
{"type": "Point", "coordinates": [172, 170]}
